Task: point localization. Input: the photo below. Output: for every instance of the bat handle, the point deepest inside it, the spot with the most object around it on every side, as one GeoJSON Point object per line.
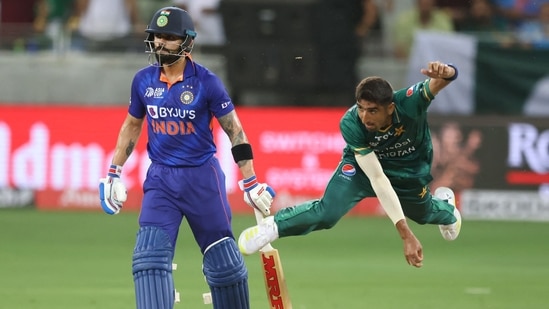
{"type": "Point", "coordinates": [259, 218]}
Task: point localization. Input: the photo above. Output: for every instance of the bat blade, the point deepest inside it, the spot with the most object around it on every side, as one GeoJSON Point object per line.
{"type": "Point", "coordinates": [275, 282]}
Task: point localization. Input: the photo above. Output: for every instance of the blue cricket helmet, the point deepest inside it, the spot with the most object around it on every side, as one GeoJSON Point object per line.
{"type": "Point", "coordinates": [172, 20]}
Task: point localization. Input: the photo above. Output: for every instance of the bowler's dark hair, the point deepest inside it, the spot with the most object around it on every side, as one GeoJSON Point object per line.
{"type": "Point", "coordinates": [374, 89]}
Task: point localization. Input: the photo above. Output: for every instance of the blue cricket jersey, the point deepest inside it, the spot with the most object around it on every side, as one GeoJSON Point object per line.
{"type": "Point", "coordinates": [179, 118]}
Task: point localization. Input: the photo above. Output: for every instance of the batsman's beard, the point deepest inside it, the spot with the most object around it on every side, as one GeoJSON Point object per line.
{"type": "Point", "coordinates": [170, 58]}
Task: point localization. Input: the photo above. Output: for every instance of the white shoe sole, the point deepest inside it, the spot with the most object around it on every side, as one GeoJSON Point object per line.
{"type": "Point", "coordinates": [245, 237]}
{"type": "Point", "coordinates": [451, 231]}
{"type": "Point", "coordinates": [256, 237]}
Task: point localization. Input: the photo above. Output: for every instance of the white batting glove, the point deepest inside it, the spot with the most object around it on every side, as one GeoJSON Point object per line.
{"type": "Point", "coordinates": [258, 195]}
{"type": "Point", "coordinates": [112, 191]}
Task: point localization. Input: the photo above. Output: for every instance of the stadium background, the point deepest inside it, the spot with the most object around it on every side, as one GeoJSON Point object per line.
{"type": "Point", "coordinates": [60, 112]}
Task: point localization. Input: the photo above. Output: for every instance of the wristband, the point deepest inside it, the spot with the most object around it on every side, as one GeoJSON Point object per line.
{"type": "Point", "coordinates": [249, 183]}
{"type": "Point", "coordinates": [455, 74]}
{"type": "Point", "coordinates": [242, 152]}
{"type": "Point", "coordinates": [115, 171]}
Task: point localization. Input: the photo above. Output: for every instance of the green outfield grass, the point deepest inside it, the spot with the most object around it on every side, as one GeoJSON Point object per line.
{"type": "Point", "coordinates": [54, 260]}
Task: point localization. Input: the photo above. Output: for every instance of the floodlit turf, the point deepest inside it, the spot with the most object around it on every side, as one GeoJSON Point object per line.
{"type": "Point", "coordinates": [54, 260]}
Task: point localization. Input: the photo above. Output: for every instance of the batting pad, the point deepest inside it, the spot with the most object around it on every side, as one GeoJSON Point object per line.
{"type": "Point", "coordinates": [226, 275]}
{"type": "Point", "coordinates": [152, 269]}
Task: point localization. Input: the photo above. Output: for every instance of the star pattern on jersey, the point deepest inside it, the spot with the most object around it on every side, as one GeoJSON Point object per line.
{"type": "Point", "coordinates": [187, 97]}
{"type": "Point", "coordinates": [423, 192]}
{"type": "Point", "coordinates": [399, 131]}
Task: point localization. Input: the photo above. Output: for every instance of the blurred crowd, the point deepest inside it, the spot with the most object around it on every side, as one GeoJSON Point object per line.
{"type": "Point", "coordinates": [507, 22]}
{"type": "Point", "coordinates": [95, 25]}
{"type": "Point", "coordinates": [386, 27]}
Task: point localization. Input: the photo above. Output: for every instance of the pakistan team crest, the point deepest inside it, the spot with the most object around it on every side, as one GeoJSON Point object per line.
{"type": "Point", "coordinates": [187, 97]}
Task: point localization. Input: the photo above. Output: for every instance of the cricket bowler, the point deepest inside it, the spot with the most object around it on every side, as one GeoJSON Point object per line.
{"type": "Point", "coordinates": [388, 155]}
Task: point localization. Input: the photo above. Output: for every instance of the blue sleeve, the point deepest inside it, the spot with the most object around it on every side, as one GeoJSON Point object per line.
{"type": "Point", "coordinates": [220, 103]}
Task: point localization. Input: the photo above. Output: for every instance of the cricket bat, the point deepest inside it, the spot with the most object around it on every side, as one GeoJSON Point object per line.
{"type": "Point", "coordinates": [275, 282]}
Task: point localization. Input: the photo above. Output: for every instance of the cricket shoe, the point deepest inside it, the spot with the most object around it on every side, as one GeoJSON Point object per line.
{"type": "Point", "coordinates": [256, 237]}
{"type": "Point", "coordinates": [449, 231]}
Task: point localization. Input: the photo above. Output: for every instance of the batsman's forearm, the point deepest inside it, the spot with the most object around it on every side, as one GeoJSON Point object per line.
{"type": "Point", "coordinates": [246, 168]}
{"type": "Point", "coordinates": [127, 139]}
{"type": "Point", "coordinates": [230, 123]}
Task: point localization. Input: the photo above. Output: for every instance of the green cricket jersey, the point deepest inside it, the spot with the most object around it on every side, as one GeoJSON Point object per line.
{"type": "Point", "coordinates": [404, 149]}
{"type": "Point", "coordinates": [405, 152]}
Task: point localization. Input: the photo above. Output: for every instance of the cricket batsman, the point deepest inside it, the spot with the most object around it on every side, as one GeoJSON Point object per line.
{"type": "Point", "coordinates": [178, 98]}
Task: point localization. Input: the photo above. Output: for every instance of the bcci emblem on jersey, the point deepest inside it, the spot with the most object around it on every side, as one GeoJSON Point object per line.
{"type": "Point", "coordinates": [187, 97]}
{"type": "Point", "coordinates": [162, 20]}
